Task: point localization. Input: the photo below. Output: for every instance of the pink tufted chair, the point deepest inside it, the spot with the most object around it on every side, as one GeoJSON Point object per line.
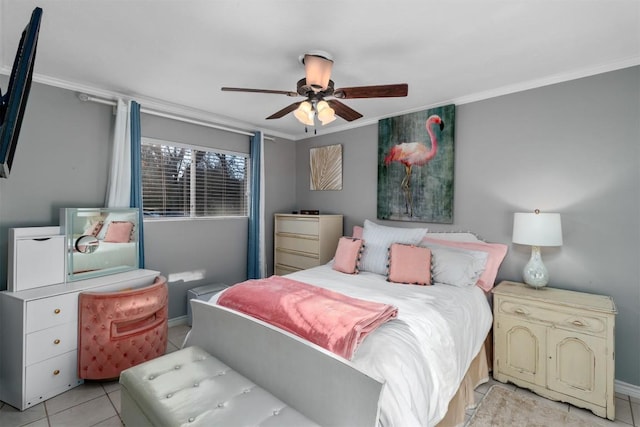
{"type": "Point", "coordinates": [117, 330]}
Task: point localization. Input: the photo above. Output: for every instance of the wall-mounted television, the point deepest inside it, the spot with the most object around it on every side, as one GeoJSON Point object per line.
{"type": "Point", "coordinates": [14, 101]}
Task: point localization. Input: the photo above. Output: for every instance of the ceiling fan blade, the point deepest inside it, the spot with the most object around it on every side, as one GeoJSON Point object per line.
{"type": "Point", "coordinates": [244, 89]}
{"type": "Point", "coordinates": [380, 91]}
{"type": "Point", "coordinates": [286, 110]}
{"type": "Point", "coordinates": [347, 113]}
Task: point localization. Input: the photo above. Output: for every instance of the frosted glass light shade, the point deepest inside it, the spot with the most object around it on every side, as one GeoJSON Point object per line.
{"type": "Point", "coordinates": [304, 113]}
{"type": "Point", "coordinates": [326, 114]}
{"type": "Point", "coordinates": [317, 69]}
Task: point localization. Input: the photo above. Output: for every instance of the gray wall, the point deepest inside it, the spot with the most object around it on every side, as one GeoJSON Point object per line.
{"type": "Point", "coordinates": [62, 160]}
{"type": "Point", "coordinates": [572, 148]}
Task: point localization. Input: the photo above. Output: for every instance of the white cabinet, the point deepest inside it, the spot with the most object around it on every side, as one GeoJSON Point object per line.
{"type": "Point", "coordinates": [36, 257]}
{"type": "Point", "coordinates": [39, 336]}
{"type": "Point", "coordinates": [304, 241]}
{"type": "Point", "coordinates": [557, 343]}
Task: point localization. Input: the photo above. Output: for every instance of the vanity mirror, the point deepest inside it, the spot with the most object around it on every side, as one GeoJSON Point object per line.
{"type": "Point", "coordinates": [100, 241]}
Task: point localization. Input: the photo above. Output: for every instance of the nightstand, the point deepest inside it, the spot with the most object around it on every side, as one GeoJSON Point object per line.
{"type": "Point", "coordinates": [557, 343]}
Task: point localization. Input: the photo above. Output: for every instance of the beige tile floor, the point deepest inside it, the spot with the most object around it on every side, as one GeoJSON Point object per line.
{"type": "Point", "coordinates": [98, 403]}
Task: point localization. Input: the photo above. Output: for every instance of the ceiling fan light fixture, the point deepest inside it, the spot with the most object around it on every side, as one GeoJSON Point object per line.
{"type": "Point", "coordinates": [326, 114]}
{"type": "Point", "coordinates": [304, 113]}
{"type": "Point", "coordinates": [317, 70]}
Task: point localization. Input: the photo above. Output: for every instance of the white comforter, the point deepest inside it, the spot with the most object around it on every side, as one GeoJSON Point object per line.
{"type": "Point", "coordinates": [423, 354]}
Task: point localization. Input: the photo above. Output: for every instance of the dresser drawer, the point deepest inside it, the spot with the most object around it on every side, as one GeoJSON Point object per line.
{"type": "Point", "coordinates": [297, 225]}
{"type": "Point", "coordinates": [574, 320]}
{"type": "Point", "coordinates": [297, 260]}
{"type": "Point", "coordinates": [51, 342]}
{"type": "Point", "coordinates": [47, 312]}
{"type": "Point", "coordinates": [50, 377]}
{"type": "Point", "coordinates": [298, 244]}
{"type": "Point", "coordinates": [281, 270]}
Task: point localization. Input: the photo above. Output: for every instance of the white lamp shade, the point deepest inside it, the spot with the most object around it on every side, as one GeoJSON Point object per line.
{"type": "Point", "coordinates": [537, 229]}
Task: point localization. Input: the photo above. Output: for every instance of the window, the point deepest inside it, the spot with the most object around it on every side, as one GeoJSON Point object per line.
{"type": "Point", "coordinates": [187, 181]}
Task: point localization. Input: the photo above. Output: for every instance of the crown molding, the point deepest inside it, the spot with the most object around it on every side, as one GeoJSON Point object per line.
{"type": "Point", "coordinates": [197, 114]}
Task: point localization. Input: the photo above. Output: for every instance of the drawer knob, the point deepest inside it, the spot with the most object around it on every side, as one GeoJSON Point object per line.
{"type": "Point", "coordinates": [519, 311]}
{"type": "Point", "coordinates": [56, 341]}
{"type": "Point", "coordinates": [56, 311]}
{"type": "Point", "coordinates": [577, 323]}
{"type": "Point", "coordinates": [56, 372]}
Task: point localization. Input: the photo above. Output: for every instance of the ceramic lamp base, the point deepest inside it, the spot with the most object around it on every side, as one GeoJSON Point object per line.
{"type": "Point", "coordinates": [535, 273]}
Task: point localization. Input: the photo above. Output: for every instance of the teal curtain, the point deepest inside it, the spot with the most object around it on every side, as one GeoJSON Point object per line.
{"type": "Point", "coordinates": [136, 174]}
{"type": "Point", "coordinates": [256, 254]}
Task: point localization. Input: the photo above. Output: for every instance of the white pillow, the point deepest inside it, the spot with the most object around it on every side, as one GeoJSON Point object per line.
{"type": "Point", "coordinates": [457, 267]}
{"type": "Point", "coordinates": [377, 240]}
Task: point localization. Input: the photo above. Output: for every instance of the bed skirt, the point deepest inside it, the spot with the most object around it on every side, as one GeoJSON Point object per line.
{"type": "Point", "coordinates": [478, 373]}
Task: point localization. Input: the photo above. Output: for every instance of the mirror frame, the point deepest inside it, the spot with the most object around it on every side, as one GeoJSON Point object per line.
{"type": "Point", "coordinates": [73, 223]}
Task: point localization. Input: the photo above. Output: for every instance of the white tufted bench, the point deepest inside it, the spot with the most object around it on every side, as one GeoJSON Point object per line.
{"type": "Point", "coordinates": [192, 388]}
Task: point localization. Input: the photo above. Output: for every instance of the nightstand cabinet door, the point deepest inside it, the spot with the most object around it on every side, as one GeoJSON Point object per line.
{"type": "Point", "coordinates": [575, 365]}
{"type": "Point", "coordinates": [521, 353]}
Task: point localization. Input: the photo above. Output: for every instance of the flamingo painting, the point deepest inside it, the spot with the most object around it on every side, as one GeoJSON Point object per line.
{"type": "Point", "coordinates": [412, 154]}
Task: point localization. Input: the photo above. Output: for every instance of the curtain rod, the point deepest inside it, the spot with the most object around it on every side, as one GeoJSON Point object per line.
{"type": "Point", "coordinates": [85, 97]}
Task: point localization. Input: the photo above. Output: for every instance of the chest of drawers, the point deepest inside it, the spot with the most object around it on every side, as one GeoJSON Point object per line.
{"type": "Point", "coordinates": [39, 336]}
{"type": "Point", "coordinates": [304, 241]}
{"type": "Point", "coordinates": [557, 343]}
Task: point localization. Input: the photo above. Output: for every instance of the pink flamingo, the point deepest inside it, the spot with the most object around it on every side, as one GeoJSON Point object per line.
{"type": "Point", "coordinates": [414, 154]}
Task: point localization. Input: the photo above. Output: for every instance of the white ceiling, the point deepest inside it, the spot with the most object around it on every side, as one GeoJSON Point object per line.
{"type": "Point", "coordinates": [175, 55]}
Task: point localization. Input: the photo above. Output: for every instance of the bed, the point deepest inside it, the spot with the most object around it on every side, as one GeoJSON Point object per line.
{"type": "Point", "coordinates": [432, 355]}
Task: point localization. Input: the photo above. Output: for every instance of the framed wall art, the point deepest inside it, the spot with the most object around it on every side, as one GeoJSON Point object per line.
{"type": "Point", "coordinates": [325, 164]}
{"type": "Point", "coordinates": [416, 166]}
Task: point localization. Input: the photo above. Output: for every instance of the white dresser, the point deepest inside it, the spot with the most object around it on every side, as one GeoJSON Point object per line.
{"type": "Point", "coordinates": [304, 241]}
{"type": "Point", "coordinates": [39, 336]}
{"type": "Point", "coordinates": [557, 343]}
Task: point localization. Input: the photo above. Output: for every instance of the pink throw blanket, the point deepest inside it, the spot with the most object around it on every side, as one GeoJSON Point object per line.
{"type": "Point", "coordinates": [329, 319]}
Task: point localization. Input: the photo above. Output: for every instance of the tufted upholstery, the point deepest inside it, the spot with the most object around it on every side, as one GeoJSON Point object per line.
{"type": "Point", "coordinates": [117, 330]}
{"type": "Point", "coordinates": [191, 388]}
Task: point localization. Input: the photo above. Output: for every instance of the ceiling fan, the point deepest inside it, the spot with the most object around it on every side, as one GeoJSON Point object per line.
{"type": "Point", "coordinates": [317, 85]}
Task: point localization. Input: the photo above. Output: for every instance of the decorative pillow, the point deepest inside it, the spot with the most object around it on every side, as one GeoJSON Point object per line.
{"type": "Point", "coordinates": [379, 238]}
{"type": "Point", "coordinates": [348, 255]}
{"type": "Point", "coordinates": [409, 264]}
{"type": "Point", "coordinates": [119, 232]}
{"type": "Point", "coordinates": [357, 232]}
{"type": "Point", "coordinates": [457, 267]}
{"type": "Point", "coordinates": [131, 216]}
{"type": "Point", "coordinates": [93, 228]}
{"type": "Point", "coordinates": [496, 253]}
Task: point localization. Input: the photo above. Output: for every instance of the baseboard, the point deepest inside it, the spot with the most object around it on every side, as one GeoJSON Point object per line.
{"type": "Point", "coordinates": [177, 321]}
{"type": "Point", "coordinates": [628, 389]}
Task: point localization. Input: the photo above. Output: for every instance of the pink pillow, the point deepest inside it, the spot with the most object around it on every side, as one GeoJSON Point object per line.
{"type": "Point", "coordinates": [357, 232]}
{"type": "Point", "coordinates": [119, 232]}
{"type": "Point", "coordinates": [409, 264]}
{"type": "Point", "coordinates": [495, 254]}
{"type": "Point", "coordinates": [348, 255]}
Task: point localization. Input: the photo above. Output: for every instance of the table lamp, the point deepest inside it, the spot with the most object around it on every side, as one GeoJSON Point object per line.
{"type": "Point", "coordinates": [537, 229]}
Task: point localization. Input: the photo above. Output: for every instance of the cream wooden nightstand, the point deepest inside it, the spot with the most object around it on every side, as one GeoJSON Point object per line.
{"type": "Point", "coordinates": [557, 343]}
{"type": "Point", "coordinates": [304, 241]}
